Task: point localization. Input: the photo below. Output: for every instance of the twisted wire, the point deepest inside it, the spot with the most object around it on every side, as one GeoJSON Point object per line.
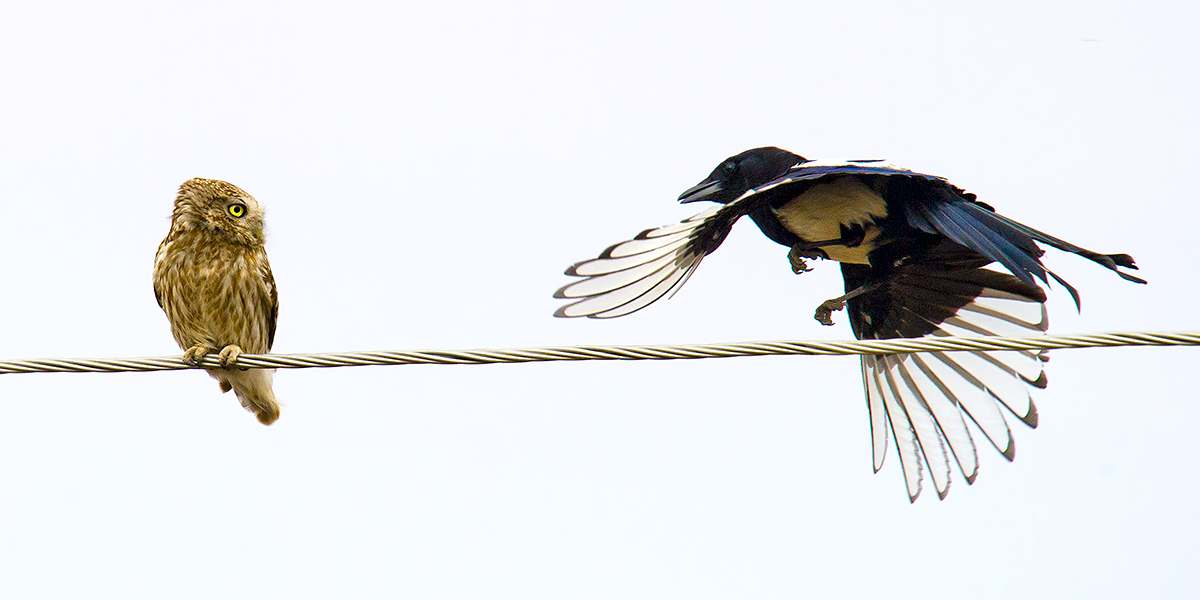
{"type": "Point", "coordinates": [622, 352]}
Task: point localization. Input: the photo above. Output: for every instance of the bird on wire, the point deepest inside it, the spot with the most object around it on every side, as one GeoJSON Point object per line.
{"type": "Point", "coordinates": [919, 258]}
{"type": "Point", "coordinates": [212, 278]}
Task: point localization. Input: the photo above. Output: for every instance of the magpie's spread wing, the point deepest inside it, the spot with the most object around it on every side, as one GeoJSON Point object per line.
{"type": "Point", "coordinates": [923, 401]}
{"type": "Point", "coordinates": [630, 275]}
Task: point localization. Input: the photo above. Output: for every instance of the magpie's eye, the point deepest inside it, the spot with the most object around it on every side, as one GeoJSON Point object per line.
{"type": "Point", "coordinates": [729, 168]}
{"type": "Point", "coordinates": [237, 210]}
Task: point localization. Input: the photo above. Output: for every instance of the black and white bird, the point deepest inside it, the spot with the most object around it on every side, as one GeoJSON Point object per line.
{"type": "Point", "coordinates": [919, 258]}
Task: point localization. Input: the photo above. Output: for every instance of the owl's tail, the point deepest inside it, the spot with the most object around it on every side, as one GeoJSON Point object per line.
{"type": "Point", "coordinates": [253, 389]}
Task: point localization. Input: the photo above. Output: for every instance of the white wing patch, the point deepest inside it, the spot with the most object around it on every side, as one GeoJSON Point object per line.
{"type": "Point", "coordinates": [632, 274]}
{"type": "Point", "coordinates": [925, 400]}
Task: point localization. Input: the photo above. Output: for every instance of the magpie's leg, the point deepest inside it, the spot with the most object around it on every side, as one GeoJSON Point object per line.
{"type": "Point", "coordinates": [825, 310]}
{"type": "Point", "coordinates": [811, 250]}
{"type": "Point", "coordinates": [852, 237]}
{"type": "Point", "coordinates": [797, 255]}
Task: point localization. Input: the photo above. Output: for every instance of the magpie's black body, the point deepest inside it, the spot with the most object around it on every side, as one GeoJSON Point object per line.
{"type": "Point", "coordinates": [917, 258]}
{"type": "Point", "coordinates": [895, 218]}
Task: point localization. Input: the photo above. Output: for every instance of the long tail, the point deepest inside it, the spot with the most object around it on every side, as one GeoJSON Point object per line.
{"type": "Point", "coordinates": [253, 389]}
{"type": "Point", "coordinates": [1004, 240]}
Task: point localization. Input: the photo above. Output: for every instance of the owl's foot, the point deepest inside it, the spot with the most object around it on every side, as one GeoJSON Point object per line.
{"type": "Point", "coordinates": [229, 355]}
{"type": "Point", "coordinates": [195, 354]}
{"type": "Point", "coordinates": [797, 255]}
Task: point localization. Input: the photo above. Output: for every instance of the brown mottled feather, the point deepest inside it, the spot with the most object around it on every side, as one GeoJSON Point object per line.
{"type": "Point", "coordinates": [213, 280]}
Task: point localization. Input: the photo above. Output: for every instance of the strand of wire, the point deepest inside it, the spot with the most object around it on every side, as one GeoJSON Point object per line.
{"type": "Point", "coordinates": [579, 353]}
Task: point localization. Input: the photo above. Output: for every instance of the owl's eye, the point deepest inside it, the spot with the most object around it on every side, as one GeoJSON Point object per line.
{"type": "Point", "coordinates": [237, 210]}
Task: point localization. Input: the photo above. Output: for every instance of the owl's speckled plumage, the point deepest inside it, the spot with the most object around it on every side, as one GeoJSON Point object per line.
{"type": "Point", "coordinates": [212, 278]}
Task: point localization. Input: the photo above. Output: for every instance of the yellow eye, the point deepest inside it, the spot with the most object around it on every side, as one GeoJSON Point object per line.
{"type": "Point", "coordinates": [237, 210]}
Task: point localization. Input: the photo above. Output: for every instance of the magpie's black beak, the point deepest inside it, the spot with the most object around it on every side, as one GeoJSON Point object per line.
{"type": "Point", "coordinates": [700, 191]}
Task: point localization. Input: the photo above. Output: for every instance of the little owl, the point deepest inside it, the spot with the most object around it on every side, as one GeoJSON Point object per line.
{"type": "Point", "coordinates": [212, 278]}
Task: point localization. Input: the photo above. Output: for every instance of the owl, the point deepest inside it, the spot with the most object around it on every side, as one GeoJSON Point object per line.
{"type": "Point", "coordinates": [212, 278]}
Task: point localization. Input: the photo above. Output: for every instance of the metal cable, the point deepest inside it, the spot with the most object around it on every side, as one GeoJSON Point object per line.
{"type": "Point", "coordinates": [574, 353]}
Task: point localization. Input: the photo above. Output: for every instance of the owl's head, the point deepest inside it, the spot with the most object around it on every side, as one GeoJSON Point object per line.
{"type": "Point", "coordinates": [218, 207]}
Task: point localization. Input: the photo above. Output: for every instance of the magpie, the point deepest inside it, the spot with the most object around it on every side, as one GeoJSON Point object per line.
{"type": "Point", "coordinates": [919, 257]}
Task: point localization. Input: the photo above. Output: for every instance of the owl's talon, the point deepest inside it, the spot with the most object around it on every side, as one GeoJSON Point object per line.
{"type": "Point", "coordinates": [195, 354]}
{"type": "Point", "coordinates": [229, 355]}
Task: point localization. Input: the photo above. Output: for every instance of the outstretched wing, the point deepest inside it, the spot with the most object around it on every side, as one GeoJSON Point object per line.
{"type": "Point", "coordinates": [923, 401]}
{"type": "Point", "coordinates": [631, 275]}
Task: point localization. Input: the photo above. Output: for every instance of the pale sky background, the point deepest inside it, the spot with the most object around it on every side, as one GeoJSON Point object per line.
{"type": "Point", "coordinates": [429, 170]}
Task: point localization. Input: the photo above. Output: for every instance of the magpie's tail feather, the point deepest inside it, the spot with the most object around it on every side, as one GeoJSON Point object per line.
{"type": "Point", "coordinates": [1108, 261]}
{"type": "Point", "coordinates": [1070, 288]}
{"type": "Point", "coordinates": [1121, 260]}
{"type": "Point", "coordinates": [1006, 241]}
{"type": "Point", "coordinates": [976, 228]}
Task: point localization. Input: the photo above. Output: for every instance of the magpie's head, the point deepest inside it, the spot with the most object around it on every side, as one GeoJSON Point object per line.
{"type": "Point", "coordinates": [737, 174]}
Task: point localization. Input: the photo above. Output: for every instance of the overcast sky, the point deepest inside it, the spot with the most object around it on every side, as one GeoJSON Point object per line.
{"type": "Point", "coordinates": [429, 170]}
